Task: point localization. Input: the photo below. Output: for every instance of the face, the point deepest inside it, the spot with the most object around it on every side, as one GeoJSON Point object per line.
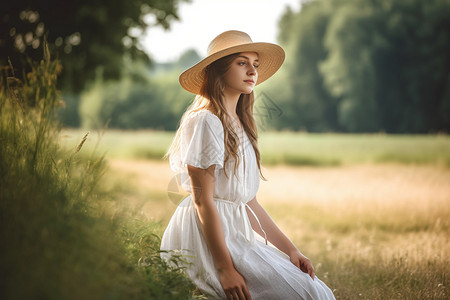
{"type": "Point", "coordinates": [242, 75]}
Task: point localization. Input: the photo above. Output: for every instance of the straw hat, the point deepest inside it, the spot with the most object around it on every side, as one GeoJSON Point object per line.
{"type": "Point", "coordinates": [270, 56]}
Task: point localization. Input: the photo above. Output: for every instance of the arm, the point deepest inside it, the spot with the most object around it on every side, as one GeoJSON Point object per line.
{"type": "Point", "coordinates": [277, 237]}
{"type": "Point", "coordinates": [202, 182]}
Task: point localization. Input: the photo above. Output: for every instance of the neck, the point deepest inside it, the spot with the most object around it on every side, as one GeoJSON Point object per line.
{"type": "Point", "coordinates": [230, 102]}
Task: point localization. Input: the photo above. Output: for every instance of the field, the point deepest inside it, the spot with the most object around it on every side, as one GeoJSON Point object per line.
{"type": "Point", "coordinates": [287, 147]}
{"type": "Point", "coordinates": [371, 211]}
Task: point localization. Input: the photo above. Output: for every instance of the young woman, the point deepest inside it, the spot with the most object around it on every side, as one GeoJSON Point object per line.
{"type": "Point", "coordinates": [216, 151]}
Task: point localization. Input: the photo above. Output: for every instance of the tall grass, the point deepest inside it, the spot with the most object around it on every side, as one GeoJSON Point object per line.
{"type": "Point", "coordinates": [64, 235]}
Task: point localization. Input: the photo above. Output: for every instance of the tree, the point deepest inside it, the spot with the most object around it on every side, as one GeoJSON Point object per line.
{"type": "Point", "coordinates": [389, 63]}
{"type": "Point", "coordinates": [311, 106]}
{"type": "Point", "coordinates": [349, 69]}
{"type": "Point", "coordinates": [85, 33]}
{"type": "Point", "coordinates": [188, 59]}
{"type": "Point", "coordinates": [138, 100]}
{"type": "Point", "coordinates": [368, 66]}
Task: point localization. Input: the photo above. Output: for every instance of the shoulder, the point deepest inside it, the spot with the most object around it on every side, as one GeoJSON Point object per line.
{"type": "Point", "coordinates": [204, 118]}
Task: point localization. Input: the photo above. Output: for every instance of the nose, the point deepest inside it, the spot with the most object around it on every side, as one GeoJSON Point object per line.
{"type": "Point", "coordinates": [251, 70]}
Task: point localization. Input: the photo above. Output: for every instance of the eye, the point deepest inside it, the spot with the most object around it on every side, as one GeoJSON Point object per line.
{"type": "Point", "coordinates": [242, 63]}
{"type": "Point", "coordinates": [256, 66]}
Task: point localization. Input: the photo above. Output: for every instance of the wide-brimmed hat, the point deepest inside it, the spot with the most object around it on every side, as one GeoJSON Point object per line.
{"type": "Point", "coordinates": [271, 57]}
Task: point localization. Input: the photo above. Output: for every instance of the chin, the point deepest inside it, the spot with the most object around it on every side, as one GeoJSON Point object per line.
{"type": "Point", "coordinates": [246, 92]}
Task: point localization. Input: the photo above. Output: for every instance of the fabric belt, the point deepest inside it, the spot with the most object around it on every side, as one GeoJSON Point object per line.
{"type": "Point", "coordinates": [245, 221]}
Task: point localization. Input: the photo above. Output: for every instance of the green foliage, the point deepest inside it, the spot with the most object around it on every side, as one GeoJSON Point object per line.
{"type": "Point", "coordinates": [143, 246]}
{"type": "Point", "coordinates": [188, 59]}
{"type": "Point", "coordinates": [138, 100]}
{"type": "Point", "coordinates": [352, 82]}
{"type": "Point", "coordinates": [64, 235]}
{"type": "Point", "coordinates": [313, 101]}
{"type": "Point", "coordinates": [86, 33]}
{"type": "Point", "coordinates": [368, 66]}
{"type": "Point", "coordinates": [68, 115]}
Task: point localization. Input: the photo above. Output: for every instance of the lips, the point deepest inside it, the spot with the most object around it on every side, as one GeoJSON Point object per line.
{"type": "Point", "coordinates": [249, 81]}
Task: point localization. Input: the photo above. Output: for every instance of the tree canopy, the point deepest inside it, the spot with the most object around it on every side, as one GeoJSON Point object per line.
{"type": "Point", "coordinates": [86, 33]}
{"type": "Point", "coordinates": [367, 66]}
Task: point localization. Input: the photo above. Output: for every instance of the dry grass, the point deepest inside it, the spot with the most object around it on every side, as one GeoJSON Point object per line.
{"type": "Point", "coordinates": [145, 184]}
{"type": "Point", "coordinates": [372, 231]}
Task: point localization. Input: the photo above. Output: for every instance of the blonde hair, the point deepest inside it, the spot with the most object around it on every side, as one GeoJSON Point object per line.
{"type": "Point", "coordinates": [211, 98]}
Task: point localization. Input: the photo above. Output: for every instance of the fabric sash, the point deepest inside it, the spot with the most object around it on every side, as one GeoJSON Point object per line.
{"type": "Point", "coordinates": [245, 221]}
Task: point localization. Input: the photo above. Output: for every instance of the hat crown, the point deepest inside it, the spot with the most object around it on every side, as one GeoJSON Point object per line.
{"type": "Point", "coordinates": [228, 39]}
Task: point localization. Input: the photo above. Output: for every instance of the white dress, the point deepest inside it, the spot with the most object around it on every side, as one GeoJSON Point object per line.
{"type": "Point", "coordinates": [268, 272]}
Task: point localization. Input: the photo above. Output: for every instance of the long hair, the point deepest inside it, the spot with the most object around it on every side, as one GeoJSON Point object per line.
{"type": "Point", "coordinates": [211, 97]}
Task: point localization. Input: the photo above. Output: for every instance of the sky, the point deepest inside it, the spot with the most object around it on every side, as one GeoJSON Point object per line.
{"type": "Point", "coordinates": [202, 20]}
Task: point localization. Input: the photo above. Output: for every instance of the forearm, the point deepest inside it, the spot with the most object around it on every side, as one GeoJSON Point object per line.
{"type": "Point", "coordinates": [273, 232]}
{"type": "Point", "coordinates": [212, 230]}
{"type": "Point", "coordinates": [202, 182]}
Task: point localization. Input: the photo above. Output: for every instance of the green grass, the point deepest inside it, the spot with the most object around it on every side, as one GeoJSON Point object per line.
{"type": "Point", "coordinates": [341, 149]}
{"type": "Point", "coordinates": [65, 232]}
{"type": "Point", "coordinates": [290, 148]}
{"type": "Point", "coordinates": [122, 144]}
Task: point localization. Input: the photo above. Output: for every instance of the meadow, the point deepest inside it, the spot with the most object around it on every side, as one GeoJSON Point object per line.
{"type": "Point", "coordinates": [290, 148]}
{"type": "Point", "coordinates": [76, 210]}
{"type": "Point", "coordinates": [371, 211]}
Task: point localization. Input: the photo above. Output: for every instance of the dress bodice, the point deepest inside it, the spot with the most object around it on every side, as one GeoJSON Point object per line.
{"type": "Point", "coordinates": [202, 145]}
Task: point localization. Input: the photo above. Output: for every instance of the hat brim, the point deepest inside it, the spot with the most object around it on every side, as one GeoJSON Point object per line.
{"type": "Point", "coordinates": [271, 57]}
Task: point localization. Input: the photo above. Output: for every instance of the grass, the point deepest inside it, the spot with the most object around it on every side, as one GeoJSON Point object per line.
{"type": "Point", "coordinates": [65, 232]}
{"type": "Point", "coordinates": [374, 218]}
{"type": "Point", "coordinates": [371, 211]}
{"type": "Point", "coordinates": [342, 149]}
{"type": "Point", "coordinates": [373, 231]}
{"type": "Point", "coordinates": [291, 148]}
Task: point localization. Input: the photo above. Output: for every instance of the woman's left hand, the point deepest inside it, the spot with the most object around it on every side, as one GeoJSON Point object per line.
{"type": "Point", "coordinates": [302, 262]}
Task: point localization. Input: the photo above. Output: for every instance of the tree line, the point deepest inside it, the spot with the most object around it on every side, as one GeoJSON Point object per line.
{"type": "Point", "coordinates": [366, 66]}
{"type": "Point", "coordinates": [351, 66]}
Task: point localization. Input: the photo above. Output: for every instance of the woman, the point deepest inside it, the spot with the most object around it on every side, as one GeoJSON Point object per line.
{"type": "Point", "coordinates": [216, 151]}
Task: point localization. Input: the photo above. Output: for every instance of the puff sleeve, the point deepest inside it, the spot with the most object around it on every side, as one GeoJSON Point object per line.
{"type": "Point", "coordinates": [202, 142]}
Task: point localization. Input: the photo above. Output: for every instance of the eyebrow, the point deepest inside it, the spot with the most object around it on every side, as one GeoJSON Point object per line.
{"type": "Point", "coordinates": [247, 57]}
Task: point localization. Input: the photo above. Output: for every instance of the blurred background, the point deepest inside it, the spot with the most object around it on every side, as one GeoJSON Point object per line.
{"type": "Point", "coordinates": [353, 134]}
{"type": "Point", "coordinates": [352, 66]}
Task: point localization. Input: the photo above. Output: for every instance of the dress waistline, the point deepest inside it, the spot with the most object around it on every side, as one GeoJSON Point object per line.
{"type": "Point", "coordinates": [245, 221]}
